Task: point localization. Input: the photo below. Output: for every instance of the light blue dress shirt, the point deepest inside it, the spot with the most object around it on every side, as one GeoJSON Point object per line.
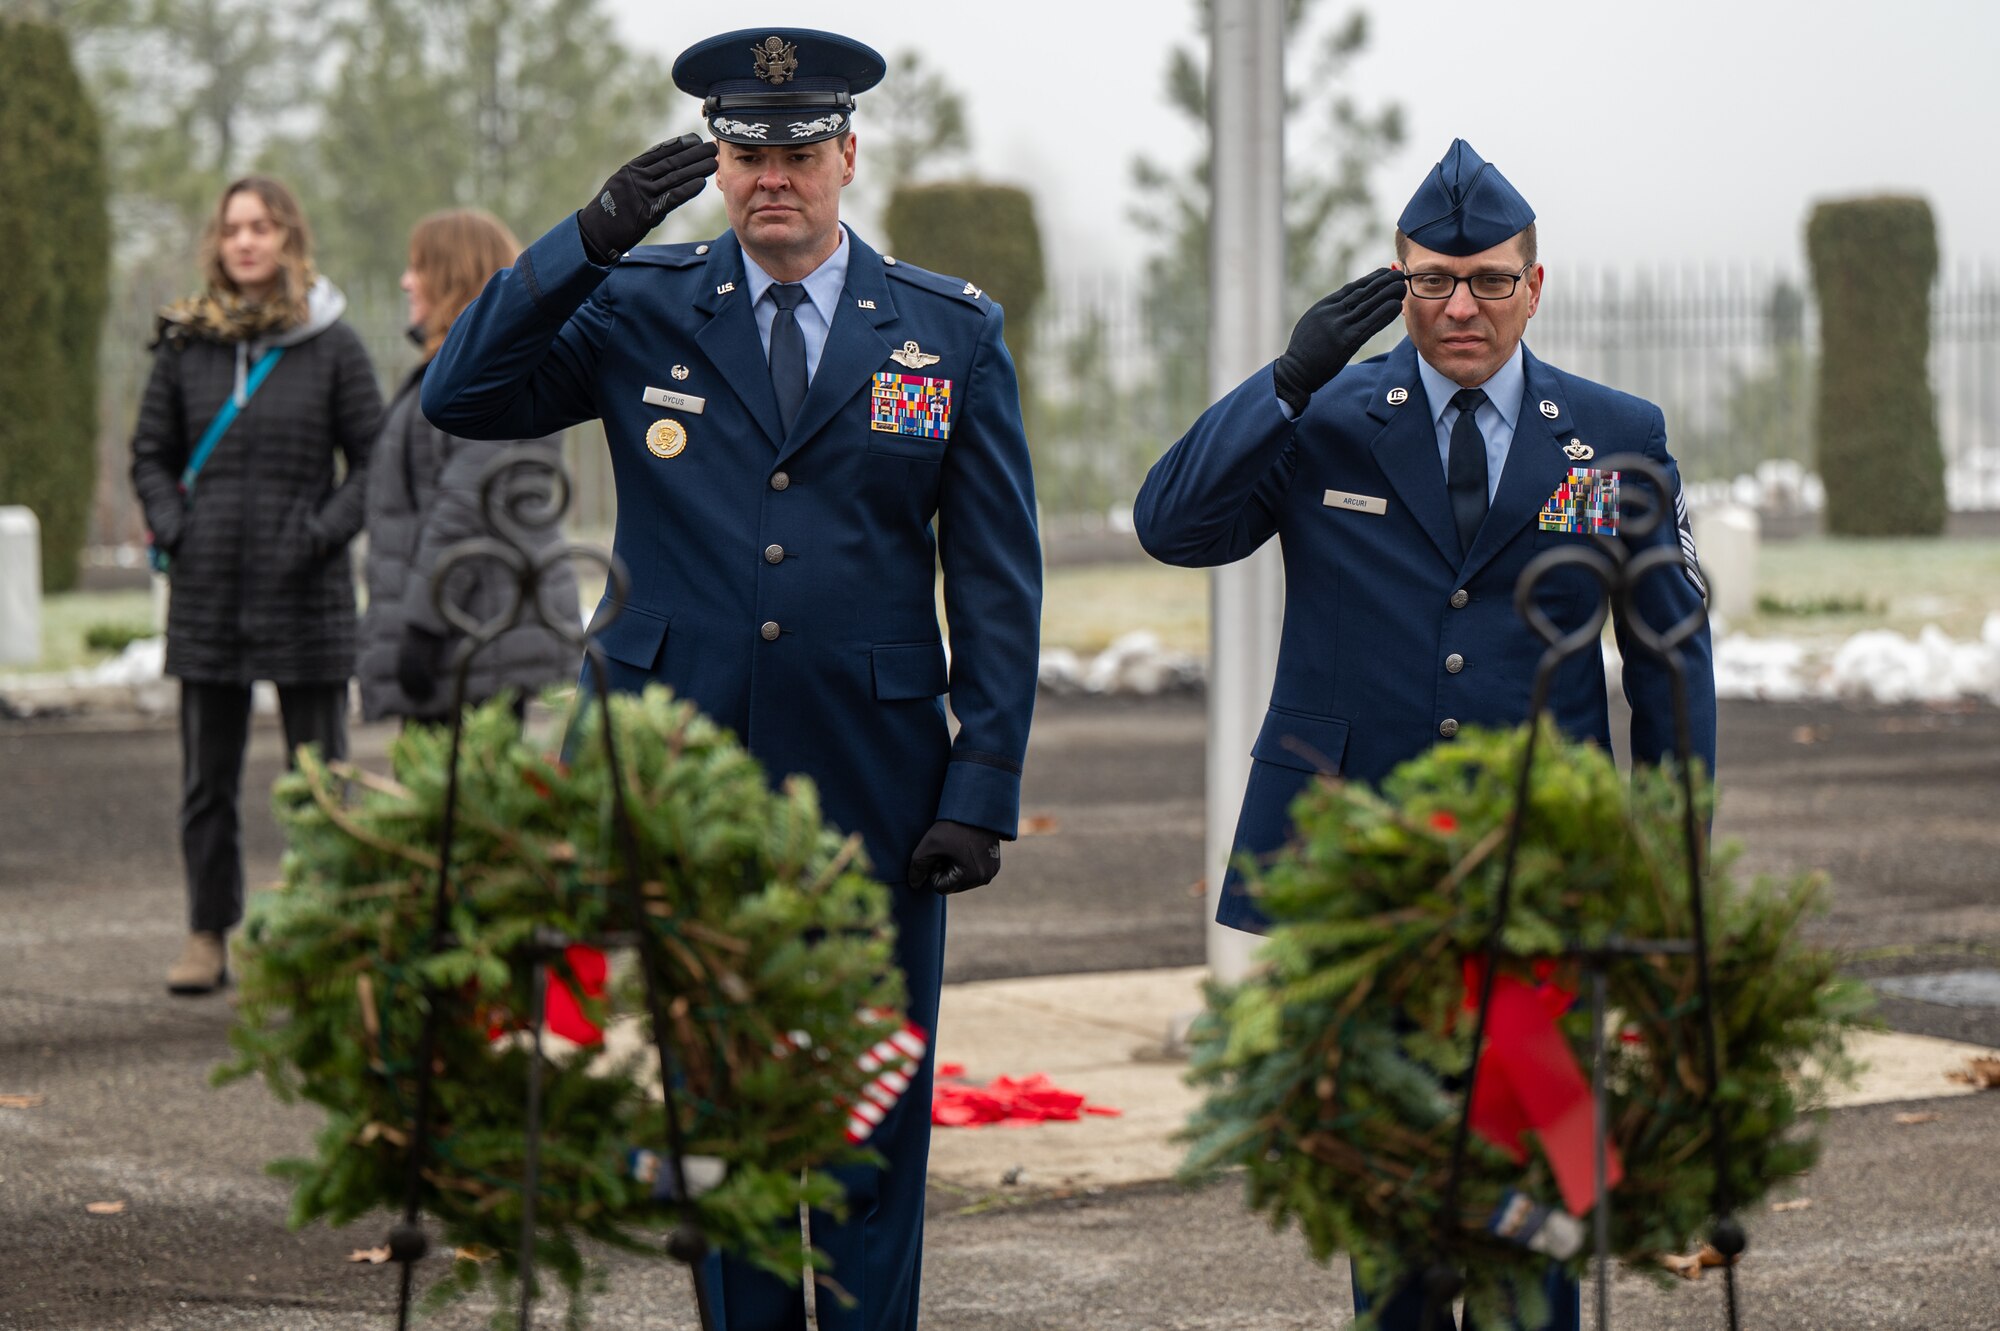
{"type": "Point", "coordinates": [815, 313]}
{"type": "Point", "coordinates": [1495, 419]}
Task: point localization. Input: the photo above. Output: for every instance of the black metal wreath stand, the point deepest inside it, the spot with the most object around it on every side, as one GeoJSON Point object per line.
{"type": "Point", "coordinates": [524, 491]}
{"type": "Point", "coordinates": [1619, 573]}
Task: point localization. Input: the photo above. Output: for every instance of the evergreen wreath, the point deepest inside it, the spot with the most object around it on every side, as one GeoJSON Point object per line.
{"type": "Point", "coordinates": [779, 976]}
{"type": "Point", "coordinates": [1333, 1072]}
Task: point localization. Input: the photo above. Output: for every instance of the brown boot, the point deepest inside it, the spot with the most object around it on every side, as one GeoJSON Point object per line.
{"type": "Point", "coordinates": [203, 966]}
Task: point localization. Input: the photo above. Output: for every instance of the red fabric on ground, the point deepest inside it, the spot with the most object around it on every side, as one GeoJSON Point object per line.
{"type": "Point", "coordinates": [1031, 1099]}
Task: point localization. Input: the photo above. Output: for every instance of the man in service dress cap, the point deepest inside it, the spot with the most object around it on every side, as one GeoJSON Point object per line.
{"type": "Point", "coordinates": [1408, 492]}
{"type": "Point", "coordinates": [802, 430]}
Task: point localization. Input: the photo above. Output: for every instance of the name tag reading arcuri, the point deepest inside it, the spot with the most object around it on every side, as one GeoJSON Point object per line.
{"type": "Point", "coordinates": [1355, 503]}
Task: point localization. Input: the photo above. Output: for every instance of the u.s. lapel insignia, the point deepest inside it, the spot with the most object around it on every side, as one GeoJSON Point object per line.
{"type": "Point", "coordinates": [680, 372]}
{"type": "Point", "coordinates": [725, 288]}
{"type": "Point", "coordinates": [1550, 409]}
{"type": "Point", "coordinates": [1578, 451]}
{"type": "Point", "coordinates": [865, 304]}
{"type": "Point", "coordinates": [1398, 396]}
{"type": "Point", "coordinates": [666, 439]}
{"type": "Point", "coordinates": [913, 356]}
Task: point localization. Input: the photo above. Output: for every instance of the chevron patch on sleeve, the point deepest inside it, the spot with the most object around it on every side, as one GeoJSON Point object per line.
{"type": "Point", "coordinates": [1690, 562]}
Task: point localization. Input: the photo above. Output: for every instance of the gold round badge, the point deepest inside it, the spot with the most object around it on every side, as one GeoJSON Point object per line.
{"type": "Point", "coordinates": [666, 439]}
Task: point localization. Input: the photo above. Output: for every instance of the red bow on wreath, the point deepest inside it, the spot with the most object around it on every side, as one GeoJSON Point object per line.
{"type": "Point", "coordinates": [1529, 1080]}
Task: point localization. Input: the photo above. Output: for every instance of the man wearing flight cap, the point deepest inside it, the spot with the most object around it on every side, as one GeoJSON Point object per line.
{"type": "Point", "coordinates": [789, 412]}
{"type": "Point", "coordinates": [1407, 493]}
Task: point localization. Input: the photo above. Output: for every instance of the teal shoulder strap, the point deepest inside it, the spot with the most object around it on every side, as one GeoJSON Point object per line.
{"type": "Point", "coordinates": [227, 417]}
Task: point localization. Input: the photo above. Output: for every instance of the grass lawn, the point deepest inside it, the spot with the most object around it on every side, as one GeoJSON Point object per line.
{"type": "Point", "coordinates": [67, 617]}
{"type": "Point", "coordinates": [1816, 590]}
{"type": "Point", "coordinates": [1897, 584]}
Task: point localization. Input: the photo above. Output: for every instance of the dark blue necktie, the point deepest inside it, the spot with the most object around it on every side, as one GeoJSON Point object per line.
{"type": "Point", "coordinates": [1465, 477]}
{"type": "Point", "coordinates": [788, 353]}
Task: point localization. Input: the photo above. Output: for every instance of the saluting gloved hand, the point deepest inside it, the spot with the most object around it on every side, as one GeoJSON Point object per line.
{"type": "Point", "coordinates": [641, 192]}
{"type": "Point", "coordinates": [955, 857]}
{"type": "Point", "coordinates": [419, 662]}
{"type": "Point", "coordinates": [1327, 335]}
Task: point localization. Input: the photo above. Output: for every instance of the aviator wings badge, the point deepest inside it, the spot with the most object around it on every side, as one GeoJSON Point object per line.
{"type": "Point", "coordinates": [914, 356]}
{"type": "Point", "coordinates": [777, 60]}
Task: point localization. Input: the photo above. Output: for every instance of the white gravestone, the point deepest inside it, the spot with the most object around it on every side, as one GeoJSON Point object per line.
{"type": "Point", "coordinates": [20, 587]}
{"type": "Point", "coordinates": [1725, 540]}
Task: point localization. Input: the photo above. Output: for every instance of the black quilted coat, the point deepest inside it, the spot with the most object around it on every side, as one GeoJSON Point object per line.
{"type": "Point", "coordinates": [262, 587]}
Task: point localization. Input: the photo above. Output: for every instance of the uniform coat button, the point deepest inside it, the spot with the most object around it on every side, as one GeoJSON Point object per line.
{"type": "Point", "coordinates": [1459, 598]}
{"type": "Point", "coordinates": [1454, 663]}
{"type": "Point", "coordinates": [779, 480]}
{"type": "Point", "coordinates": [1447, 727]}
{"type": "Point", "coordinates": [774, 554]}
{"type": "Point", "coordinates": [770, 632]}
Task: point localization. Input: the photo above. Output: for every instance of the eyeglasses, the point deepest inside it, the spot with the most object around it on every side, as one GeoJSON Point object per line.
{"type": "Point", "coordinates": [1484, 286]}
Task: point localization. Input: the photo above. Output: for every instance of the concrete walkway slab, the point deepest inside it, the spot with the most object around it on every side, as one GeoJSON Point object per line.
{"type": "Point", "coordinates": [1102, 1035]}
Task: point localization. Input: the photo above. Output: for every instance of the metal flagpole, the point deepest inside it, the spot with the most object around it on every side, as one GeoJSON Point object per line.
{"type": "Point", "coordinates": [1247, 326]}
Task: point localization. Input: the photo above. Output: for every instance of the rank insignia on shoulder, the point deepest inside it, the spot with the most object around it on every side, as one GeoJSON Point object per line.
{"type": "Point", "coordinates": [910, 404]}
{"type": "Point", "coordinates": [914, 356]}
{"type": "Point", "coordinates": [1585, 502]}
{"type": "Point", "coordinates": [666, 439]}
{"type": "Point", "coordinates": [972, 291]}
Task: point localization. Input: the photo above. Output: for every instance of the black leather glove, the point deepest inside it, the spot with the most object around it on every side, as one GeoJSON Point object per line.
{"type": "Point", "coordinates": [1327, 335]}
{"type": "Point", "coordinates": [419, 662]}
{"type": "Point", "coordinates": [641, 192]}
{"type": "Point", "coordinates": [955, 857]}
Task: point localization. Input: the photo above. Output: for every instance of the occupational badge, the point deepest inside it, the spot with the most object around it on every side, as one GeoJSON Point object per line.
{"type": "Point", "coordinates": [680, 371]}
{"type": "Point", "coordinates": [666, 439]}
{"type": "Point", "coordinates": [777, 60]}
{"type": "Point", "coordinates": [1578, 451]}
{"type": "Point", "coordinates": [913, 356]}
{"type": "Point", "coordinates": [1586, 502]}
{"type": "Point", "coordinates": [910, 404]}
{"type": "Point", "coordinates": [1398, 396]}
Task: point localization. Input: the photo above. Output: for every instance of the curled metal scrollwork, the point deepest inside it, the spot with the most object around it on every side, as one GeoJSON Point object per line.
{"type": "Point", "coordinates": [1620, 566]}
{"type": "Point", "coordinates": [524, 492]}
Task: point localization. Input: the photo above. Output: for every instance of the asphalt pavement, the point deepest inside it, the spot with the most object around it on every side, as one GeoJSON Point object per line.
{"type": "Point", "coordinates": [1902, 1230]}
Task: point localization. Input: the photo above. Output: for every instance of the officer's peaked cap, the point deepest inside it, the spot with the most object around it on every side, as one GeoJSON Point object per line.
{"type": "Point", "coordinates": [778, 85]}
{"type": "Point", "coordinates": [1464, 206]}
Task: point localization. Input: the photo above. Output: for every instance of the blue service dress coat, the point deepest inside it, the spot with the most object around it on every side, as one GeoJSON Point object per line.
{"type": "Point", "coordinates": [1391, 639]}
{"type": "Point", "coordinates": [786, 580]}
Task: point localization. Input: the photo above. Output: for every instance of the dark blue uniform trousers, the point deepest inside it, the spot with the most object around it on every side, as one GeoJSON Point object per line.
{"type": "Point", "coordinates": [1405, 1309]}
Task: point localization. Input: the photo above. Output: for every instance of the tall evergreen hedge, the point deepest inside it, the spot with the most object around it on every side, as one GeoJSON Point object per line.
{"type": "Point", "coordinates": [55, 242]}
{"type": "Point", "coordinates": [983, 233]}
{"type": "Point", "coordinates": [1873, 261]}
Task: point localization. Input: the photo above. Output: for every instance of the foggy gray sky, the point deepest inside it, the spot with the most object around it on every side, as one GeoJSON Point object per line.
{"type": "Point", "coordinates": [1689, 131]}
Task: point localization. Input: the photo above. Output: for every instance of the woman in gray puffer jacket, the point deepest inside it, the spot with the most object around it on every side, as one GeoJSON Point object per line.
{"type": "Point", "coordinates": [423, 496]}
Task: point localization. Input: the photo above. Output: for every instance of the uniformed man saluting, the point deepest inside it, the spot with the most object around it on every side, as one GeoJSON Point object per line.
{"type": "Point", "coordinates": [1408, 492]}
{"type": "Point", "coordinates": [789, 413]}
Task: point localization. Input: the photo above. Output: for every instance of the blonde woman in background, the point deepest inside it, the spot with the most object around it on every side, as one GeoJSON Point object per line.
{"type": "Point", "coordinates": [259, 393]}
{"type": "Point", "coordinates": [423, 496]}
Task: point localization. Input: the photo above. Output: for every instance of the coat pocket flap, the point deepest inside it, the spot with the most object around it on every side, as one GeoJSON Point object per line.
{"type": "Point", "coordinates": [633, 639]}
{"type": "Point", "coordinates": [910, 670]}
{"type": "Point", "coordinates": [1301, 742]}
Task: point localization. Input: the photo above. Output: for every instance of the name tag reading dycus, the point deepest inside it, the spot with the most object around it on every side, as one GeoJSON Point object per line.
{"type": "Point", "coordinates": [664, 397]}
{"type": "Point", "coordinates": [1355, 503]}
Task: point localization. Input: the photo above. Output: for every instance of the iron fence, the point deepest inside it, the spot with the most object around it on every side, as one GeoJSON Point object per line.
{"type": "Point", "coordinates": [1110, 379]}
